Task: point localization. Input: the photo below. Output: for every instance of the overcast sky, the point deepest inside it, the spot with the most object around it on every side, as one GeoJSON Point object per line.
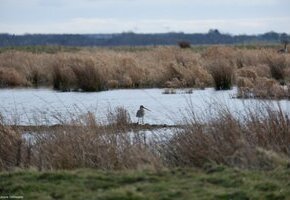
{"type": "Point", "coordinates": [144, 16]}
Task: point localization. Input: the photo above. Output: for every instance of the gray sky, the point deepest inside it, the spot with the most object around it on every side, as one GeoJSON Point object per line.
{"type": "Point", "coordinates": [144, 16]}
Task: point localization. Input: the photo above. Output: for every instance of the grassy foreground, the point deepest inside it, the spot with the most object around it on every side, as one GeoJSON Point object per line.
{"type": "Point", "coordinates": [212, 182]}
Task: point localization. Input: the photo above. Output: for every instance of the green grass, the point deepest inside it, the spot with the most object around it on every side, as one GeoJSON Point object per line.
{"type": "Point", "coordinates": [52, 49]}
{"type": "Point", "coordinates": [216, 183]}
{"type": "Point", "coordinates": [57, 48]}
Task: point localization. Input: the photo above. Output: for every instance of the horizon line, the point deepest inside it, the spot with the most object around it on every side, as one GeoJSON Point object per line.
{"type": "Point", "coordinates": [147, 33]}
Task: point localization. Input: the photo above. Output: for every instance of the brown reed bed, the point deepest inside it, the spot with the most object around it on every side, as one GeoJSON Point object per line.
{"type": "Point", "coordinates": [80, 143]}
{"type": "Point", "coordinates": [257, 139]}
{"type": "Point", "coordinates": [170, 67]}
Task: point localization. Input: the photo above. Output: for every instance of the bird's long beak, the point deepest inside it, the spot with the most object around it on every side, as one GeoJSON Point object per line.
{"type": "Point", "coordinates": [146, 108]}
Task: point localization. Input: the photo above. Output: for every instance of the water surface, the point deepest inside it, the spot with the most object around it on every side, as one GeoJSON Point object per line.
{"type": "Point", "coordinates": [44, 106]}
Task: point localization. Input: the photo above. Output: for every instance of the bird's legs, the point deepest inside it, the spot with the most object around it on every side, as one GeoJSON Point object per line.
{"type": "Point", "coordinates": [140, 120]}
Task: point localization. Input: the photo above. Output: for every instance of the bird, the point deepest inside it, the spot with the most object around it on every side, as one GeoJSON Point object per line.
{"type": "Point", "coordinates": [284, 50]}
{"type": "Point", "coordinates": [140, 114]}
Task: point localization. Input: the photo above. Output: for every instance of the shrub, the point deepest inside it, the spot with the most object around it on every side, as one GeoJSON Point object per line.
{"type": "Point", "coordinates": [184, 44]}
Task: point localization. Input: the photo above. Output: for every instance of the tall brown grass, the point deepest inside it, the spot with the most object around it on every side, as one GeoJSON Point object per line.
{"type": "Point", "coordinates": [171, 67]}
{"type": "Point", "coordinates": [258, 138]}
{"type": "Point", "coordinates": [10, 148]}
{"type": "Point", "coordinates": [87, 75]}
{"type": "Point", "coordinates": [222, 73]}
{"type": "Point", "coordinates": [120, 117]}
{"type": "Point", "coordinates": [277, 64]}
{"type": "Point", "coordinates": [63, 77]}
{"type": "Point", "coordinates": [9, 77]}
{"type": "Point", "coordinates": [85, 143]}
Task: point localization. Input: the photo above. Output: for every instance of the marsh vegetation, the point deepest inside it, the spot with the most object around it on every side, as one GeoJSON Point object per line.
{"type": "Point", "coordinates": [260, 73]}
{"type": "Point", "coordinates": [224, 157]}
{"type": "Point", "coordinates": [256, 139]}
{"type": "Point", "coordinates": [220, 153]}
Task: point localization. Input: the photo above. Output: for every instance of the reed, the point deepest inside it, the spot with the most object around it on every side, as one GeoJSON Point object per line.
{"type": "Point", "coordinates": [63, 77]}
{"type": "Point", "coordinates": [10, 148]}
{"type": "Point", "coordinates": [277, 64]}
{"type": "Point", "coordinates": [9, 77]}
{"type": "Point", "coordinates": [222, 73]}
{"type": "Point", "coordinates": [81, 142]}
{"type": "Point", "coordinates": [95, 69]}
{"type": "Point", "coordinates": [256, 139]}
{"type": "Point", "coordinates": [87, 75]}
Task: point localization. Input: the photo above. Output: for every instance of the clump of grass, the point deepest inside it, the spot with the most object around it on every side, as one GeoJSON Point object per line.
{"type": "Point", "coordinates": [76, 73]}
{"type": "Point", "coordinates": [131, 74]}
{"type": "Point", "coordinates": [265, 88]}
{"type": "Point", "coordinates": [36, 75]}
{"type": "Point", "coordinates": [248, 73]}
{"type": "Point", "coordinates": [261, 88]}
{"type": "Point", "coordinates": [87, 75]}
{"type": "Point", "coordinates": [277, 64]}
{"type": "Point", "coordinates": [222, 72]}
{"type": "Point", "coordinates": [10, 148]}
{"type": "Point", "coordinates": [220, 64]}
{"type": "Point", "coordinates": [9, 77]}
{"type": "Point", "coordinates": [62, 76]}
{"type": "Point", "coordinates": [120, 117]}
{"type": "Point", "coordinates": [225, 139]}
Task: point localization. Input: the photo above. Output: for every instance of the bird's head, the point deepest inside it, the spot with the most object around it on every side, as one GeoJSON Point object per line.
{"type": "Point", "coordinates": [143, 107]}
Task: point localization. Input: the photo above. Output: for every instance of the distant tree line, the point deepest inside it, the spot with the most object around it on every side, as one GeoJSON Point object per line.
{"type": "Point", "coordinates": [132, 39]}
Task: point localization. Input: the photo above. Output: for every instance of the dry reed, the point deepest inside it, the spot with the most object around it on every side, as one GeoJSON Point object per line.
{"type": "Point", "coordinates": [258, 139]}
{"type": "Point", "coordinates": [98, 69]}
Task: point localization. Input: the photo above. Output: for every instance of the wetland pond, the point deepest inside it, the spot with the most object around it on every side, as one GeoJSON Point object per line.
{"type": "Point", "coordinates": [48, 107]}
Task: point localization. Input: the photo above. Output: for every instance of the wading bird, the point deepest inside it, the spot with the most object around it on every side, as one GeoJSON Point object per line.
{"type": "Point", "coordinates": [140, 114]}
{"type": "Point", "coordinates": [284, 50]}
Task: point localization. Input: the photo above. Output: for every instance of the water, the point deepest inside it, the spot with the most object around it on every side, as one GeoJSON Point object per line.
{"type": "Point", "coordinates": [45, 106]}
